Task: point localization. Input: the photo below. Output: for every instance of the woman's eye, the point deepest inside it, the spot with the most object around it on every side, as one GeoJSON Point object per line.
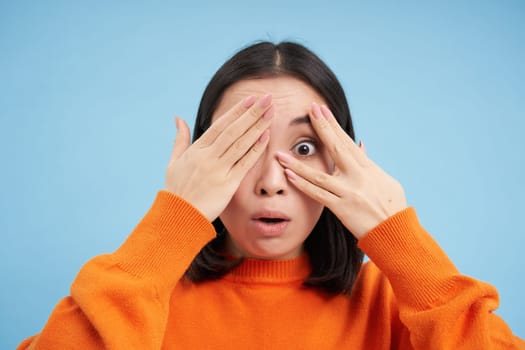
{"type": "Point", "coordinates": [305, 148]}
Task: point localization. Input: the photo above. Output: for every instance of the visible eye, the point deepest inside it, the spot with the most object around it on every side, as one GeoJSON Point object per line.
{"type": "Point", "coordinates": [305, 148]}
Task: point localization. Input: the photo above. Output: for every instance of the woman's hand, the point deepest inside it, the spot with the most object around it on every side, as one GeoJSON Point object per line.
{"type": "Point", "coordinates": [359, 192]}
{"type": "Point", "coordinates": [208, 172]}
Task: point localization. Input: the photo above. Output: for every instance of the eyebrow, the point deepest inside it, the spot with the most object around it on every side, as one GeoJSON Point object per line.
{"type": "Point", "coordinates": [300, 120]}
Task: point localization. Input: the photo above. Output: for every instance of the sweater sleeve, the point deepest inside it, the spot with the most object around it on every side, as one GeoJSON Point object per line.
{"type": "Point", "coordinates": [121, 300]}
{"type": "Point", "coordinates": [440, 307]}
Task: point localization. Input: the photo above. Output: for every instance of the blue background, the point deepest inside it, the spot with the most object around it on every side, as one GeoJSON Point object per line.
{"type": "Point", "coordinates": [88, 92]}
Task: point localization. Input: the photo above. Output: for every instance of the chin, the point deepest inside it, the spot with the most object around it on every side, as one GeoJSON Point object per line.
{"type": "Point", "coordinates": [265, 249]}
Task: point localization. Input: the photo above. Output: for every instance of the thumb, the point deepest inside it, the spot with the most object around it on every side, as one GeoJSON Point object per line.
{"type": "Point", "coordinates": [182, 140]}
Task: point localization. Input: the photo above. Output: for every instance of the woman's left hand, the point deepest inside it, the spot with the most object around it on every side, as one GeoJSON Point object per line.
{"type": "Point", "coordinates": [358, 192]}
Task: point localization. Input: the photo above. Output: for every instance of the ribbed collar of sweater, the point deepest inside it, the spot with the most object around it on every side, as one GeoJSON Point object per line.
{"type": "Point", "coordinates": [271, 271]}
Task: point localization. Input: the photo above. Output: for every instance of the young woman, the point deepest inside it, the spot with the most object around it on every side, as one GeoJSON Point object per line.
{"type": "Point", "coordinates": [257, 239]}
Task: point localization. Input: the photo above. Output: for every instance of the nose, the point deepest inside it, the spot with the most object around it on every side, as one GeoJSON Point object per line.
{"type": "Point", "coordinates": [271, 179]}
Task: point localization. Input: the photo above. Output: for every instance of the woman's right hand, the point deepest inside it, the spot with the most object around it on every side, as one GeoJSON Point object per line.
{"type": "Point", "coordinates": [208, 172]}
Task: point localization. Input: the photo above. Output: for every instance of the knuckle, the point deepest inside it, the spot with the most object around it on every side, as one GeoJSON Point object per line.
{"type": "Point", "coordinates": [357, 199]}
{"type": "Point", "coordinates": [323, 124]}
{"type": "Point", "coordinates": [321, 178]}
{"type": "Point", "coordinates": [230, 134]}
{"type": "Point", "coordinates": [238, 112]}
{"type": "Point", "coordinates": [248, 159]}
{"type": "Point", "coordinates": [255, 149]}
{"type": "Point", "coordinates": [318, 194]}
{"type": "Point", "coordinates": [238, 145]}
{"type": "Point", "coordinates": [242, 163]}
{"type": "Point", "coordinates": [208, 137]}
{"type": "Point", "coordinates": [253, 115]}
{"type": "Point", "coordinates": [260, 126]}
{"type": "Point", "coordinates": [297, 167]}
{"type": "Point", "coordinates": [336, 149]}
{"type": "Point", "coordinates": [213, 132]}
{"type": "Point", "coordinates": [255, 112]}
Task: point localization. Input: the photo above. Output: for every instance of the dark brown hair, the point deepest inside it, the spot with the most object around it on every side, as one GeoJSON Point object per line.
{"type": "Point", "coordinates": [332, 249]}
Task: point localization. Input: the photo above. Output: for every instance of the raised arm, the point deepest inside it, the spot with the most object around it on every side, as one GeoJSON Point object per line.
{"type": "Point", "coordinates": [439, 307]}
{"type": "Point", "coordinates": [121, 300]}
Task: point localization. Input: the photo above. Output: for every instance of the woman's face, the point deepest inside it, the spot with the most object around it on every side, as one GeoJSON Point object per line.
{"type": "Point", "coordinates": [268, 217]}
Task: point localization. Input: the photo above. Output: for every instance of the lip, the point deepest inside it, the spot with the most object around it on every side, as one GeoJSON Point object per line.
{"type": "Point", "coordinates": [269, 229]}
{"type": "Point", "coordinates": [270, 214]}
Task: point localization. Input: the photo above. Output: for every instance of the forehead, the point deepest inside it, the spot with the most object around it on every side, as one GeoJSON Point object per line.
{"type": "Point", "coordinates": [290, 96]}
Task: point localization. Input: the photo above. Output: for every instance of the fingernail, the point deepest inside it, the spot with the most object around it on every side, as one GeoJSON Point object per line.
{"type": "Point", "coordinates": [283, 157]}
{"type": "Point", "coordinates": [265, 101]}
{"type": "Point", "coordinates": [265, 136]}
{"type": "Point", "coordinates": [325, 111]}
{"type": "Point", "coordinates": [362, 146]}
{"type": "Point", "coordinates": [249, 101]}
{"type": "Point", "coordinates": [315, 110]}
{"type": "Point", "coordinates": [290, 174]}
{"type": "Point", "coordinates": [177, 122]}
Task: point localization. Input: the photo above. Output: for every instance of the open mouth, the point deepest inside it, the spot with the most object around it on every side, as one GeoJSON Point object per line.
{"type": "Point", "coordinates": [271, 220]}
{"type": "Point", "coordinates": [267, 223]}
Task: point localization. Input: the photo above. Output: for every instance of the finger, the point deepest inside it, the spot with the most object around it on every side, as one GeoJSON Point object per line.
{"type": "Point", "coordinates": [327, 114]}
{"type": "Point", "coordinates": [350, 145]}
{"type": "Point", "coordinates": [336, 143]}
{"type": "Point", "coordinates": [318, 178]}
{"type": "Point", "coordinates": [242, 124]}
{"type": "Point", "coordinates": [243, 143]}
{"type": "Point", "coordinates": [319, 194]}
{"type": "Point", "coordinates": [182, 140]}
{"type": "Point", "coordinates": [248, 160]}
{"type": "Point", "coordinates": [217, 127]}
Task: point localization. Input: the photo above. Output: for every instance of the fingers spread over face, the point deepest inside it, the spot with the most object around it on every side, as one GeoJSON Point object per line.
{"type": "Point", "coordinates": [225, 120]}
{"type": "Point", "coordinates": [320, 194]}
{"type": "Point", "coordinates": [245, 163]}
{"type": "Point", "coordinates": [254, 120]}
{"type": "Point", "coordinates": [335, 142]}
{"type": "Point", "coordinates": [236, 148]}
{"type": "Point", "coordinates": [348, 145]}
{"type": "Point", "coordinates": [321, 180]}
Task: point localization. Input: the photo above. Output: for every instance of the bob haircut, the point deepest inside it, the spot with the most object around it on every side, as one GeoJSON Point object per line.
{"type": "Point", "coordinates": [334, 256]}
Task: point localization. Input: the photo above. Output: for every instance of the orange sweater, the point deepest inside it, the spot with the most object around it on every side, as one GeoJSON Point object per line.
{"type": "Point", "coordinates": [410, 297]}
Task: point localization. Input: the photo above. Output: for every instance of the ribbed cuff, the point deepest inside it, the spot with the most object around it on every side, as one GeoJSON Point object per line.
{"type": "Point", "coordinates": [166, 240]}
{"type": "Point", "coordinates": [420, 272]}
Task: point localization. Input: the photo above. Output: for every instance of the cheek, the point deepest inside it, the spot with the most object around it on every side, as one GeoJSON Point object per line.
{"type": "Point", "coordinates": [308, 216]}
{"type": "Point", "coordinates": [308, 209]}
{"type": "Point", "coordinates": [311, 206]}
